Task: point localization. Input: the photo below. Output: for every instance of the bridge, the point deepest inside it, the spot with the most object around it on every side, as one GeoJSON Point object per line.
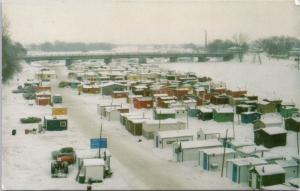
{"type": "Point", "coordinates": [141, 56]}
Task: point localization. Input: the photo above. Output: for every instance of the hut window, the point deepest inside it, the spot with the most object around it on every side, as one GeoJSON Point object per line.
{"type": "Point", "coordinates": [63, 123]}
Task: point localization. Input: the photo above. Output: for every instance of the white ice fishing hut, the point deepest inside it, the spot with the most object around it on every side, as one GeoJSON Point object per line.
{"type": "Point", "coordinates": [163, 139]}
{"type": "Point", "coordinates": [212, 159]}
{"type": "Point", "coordinates": [93, 169]}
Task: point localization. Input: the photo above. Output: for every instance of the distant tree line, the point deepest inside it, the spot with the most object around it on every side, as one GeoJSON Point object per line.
{"type": "Point", "coordinates": [10, 53]}
{"type": "Point", "coordinates": [277, 45]}
{"type": "Point", "coordinates": [70, 46]}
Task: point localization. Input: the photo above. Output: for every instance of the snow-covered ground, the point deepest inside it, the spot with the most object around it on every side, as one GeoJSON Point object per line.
{"type": "Point", "coordinates": [272, 78]}
{"type": "Point", "coordinates": [136, 165]}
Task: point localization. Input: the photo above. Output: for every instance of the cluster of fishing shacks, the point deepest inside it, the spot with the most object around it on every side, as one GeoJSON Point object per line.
{"type": "Point", "coordinates": [173, 98]}
{"type": "Point", "coordinates": [92, 165]}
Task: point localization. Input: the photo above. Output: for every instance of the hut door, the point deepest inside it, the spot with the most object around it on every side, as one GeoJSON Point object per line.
{"type": "Point", "coordinates": [254, 181]}
{"type": "Point", "coordinates": [205, 161]}
{"type": "Point", "coordinates": [234, 173]}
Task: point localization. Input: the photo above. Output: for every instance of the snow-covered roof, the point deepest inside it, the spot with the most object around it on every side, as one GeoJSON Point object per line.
{"type": "Point", "coordinates": [167, 97]}
{"type": "Point", "coordinates": [271, 120]}
{"type": "Point", "coordinates": [91, 86]}
{"type": "Point", "coordinates": [216, 130]}
{"type": "Point", "coordinates": [125, 91]}
{"type": "Point", "coordinates": [175, 133]}
{"type": "Point", "coordinates": [165, 111]}
{"type": "Point", "coordinates": [217, 151]}
{"type": "Point", "coordinates": [248, 161]}
{"type": "Point", "coordinates": [110, 84]}
{"type": "Point", "coordinates": [93, 162]}
{"type": "Point", "coordinates": [160, 95]}
{"type": "Point", "coordinates": [274, 130]}
{"type": "Point", "coordinates": [135, 96]}
{"type": "Point", "coordinates": [241, 143]}
{"type": "Point", "coordinates": [286, 163]}
{"type": "Point", "coordinates": [170, 101]}
{"type": "Point", "coordinates": [50, 117]}
{"type": "Point", "coordinates": [252, 149]}
{"type": "Point", "coordinates": [43, 93]}
{"type": "Point", "coordinates": [200, 144]}
{"type": "Point", "coordinates": [205, 109]}
{"type": "Point", "coordinates": [269, 169]}
{"type": "Point", "coordinates": [138, 120]}
{"type": "Point", "coordinates": [144, 98]}
{"type": "Point", "coordinates": [224, 110]}
{"type": "Point", "coordinates": [165, 121]}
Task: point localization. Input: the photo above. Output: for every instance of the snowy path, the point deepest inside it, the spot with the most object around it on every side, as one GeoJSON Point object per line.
{"type": "Point", "coordinates": [150, 170]}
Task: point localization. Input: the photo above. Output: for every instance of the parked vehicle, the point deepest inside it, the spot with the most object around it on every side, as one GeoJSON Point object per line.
{"type": "Point", "coordinates": [66, 154]}
{"type": "Point", "coordinates": [31, 120]}
{"type": "Point", "coordinates": [59, 168]}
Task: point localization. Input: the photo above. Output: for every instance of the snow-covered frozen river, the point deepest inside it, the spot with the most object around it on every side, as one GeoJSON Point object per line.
{"type": "Point", "coordinates": [272, 79]}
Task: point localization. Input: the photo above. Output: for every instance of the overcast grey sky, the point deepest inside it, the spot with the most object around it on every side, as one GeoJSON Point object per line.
{"type": "Point", "coordinates": [174, 21]}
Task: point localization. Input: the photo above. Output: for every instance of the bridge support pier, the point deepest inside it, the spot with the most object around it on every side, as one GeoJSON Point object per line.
{"type": "Point", "coordinates": [173, 59]}
{"type": "Point", "coordinates": [68, 62]}
{"type": "Point", "coordinates": [142, 60]}
{"type": "Point", "coordinates": [202, 59]}
{"type": "Point", "coordinates": [107, 60]}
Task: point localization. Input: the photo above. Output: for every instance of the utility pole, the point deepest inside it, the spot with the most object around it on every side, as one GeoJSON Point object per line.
{"type": "Point", "coordinates": [298, 142]}
{"type": "Point", "coordinates": [159, 120]}
{"type": "Point", "coordinates": [225, 144]}
{"type": "Point", "coordinates": [100, 140]}
{"type": "Point", "coordinates": [298, 59]}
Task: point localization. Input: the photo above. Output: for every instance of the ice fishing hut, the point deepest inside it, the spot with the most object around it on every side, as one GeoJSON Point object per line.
{"type": "Point", "coordinates": [291, 168]}
{"type": "Point", "coordinates": [152, 126]}
{"type": "Point", "coordinates": [135, 126]}
{"type": "Point", "coordinates": [109, 87]}
{"type": "Point", "coordinates": [59, 109]}
{"type": "Point", "coordinates": [292, 124]}
{"type": "Point", "coordinates": [244, 108]}
{"type": "Point", "coordinates": [219, 99]}
{"type": "Point", "coordinates": [43, 98]}
{"type": "Point", "coordinates": [250, 116]}
{"type": "Point", "coordinates": [113, 113]}
{"type": "Point", "coordinates": [205, 113]}
{"type": "Point", "coordinates": [163, 139]}
{"type": "Point", "coordinates": [90, 88]}
{"type": "Point", "coordinates": [205, 133]}
{"type": "Point", "coordinates": [120, 94]}
{"type": "Point", "coordinates": [211, 159]}
{"type": "Point", "coordinates": [237, 169]}
{"type": "Point", "coordinates": [180, 112]}
{"type": "Point", "coordinates": [266, 107]}
{"type": "Point", "coordinates": [287, 111]}
{"type": "Point", "coordinates": [55, 123]}
{"type": "Point", "coordinates": [163, 113]}
{"type": "Point", "coordinates": [223, 114]}
{"type": "Point", "coordinates": [270, 136]}
{"type": "Point", "coordinates": [235, 144]}
{"type": "Point", "coordinates": [251, 151]}
{"type": "Point", "coordinates": [143, 103]}
{"type": "Point", "coordinates": [189, 150]}
{"type": "Point", "coordinates": [266, 175]}
{"type": "Point", "coordinates": [92, 170]}
{"type": "Point", "coordinates": [268, 121]}
{"type": "Point", "coordinates": [57, 98]}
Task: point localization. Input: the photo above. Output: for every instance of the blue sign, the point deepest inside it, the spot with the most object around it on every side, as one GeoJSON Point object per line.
{"type": "Point", "coordinates": [98, 143]}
